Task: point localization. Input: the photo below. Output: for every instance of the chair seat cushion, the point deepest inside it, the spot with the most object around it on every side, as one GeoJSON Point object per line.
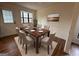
{"type": "Point", "coordinates": [29, 38]}
{"type": "Point", "coordinates": [45, 39]}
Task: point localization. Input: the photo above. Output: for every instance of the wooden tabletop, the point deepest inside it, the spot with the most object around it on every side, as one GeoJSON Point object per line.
{"type": "Point", "coordinates": [36, 33]}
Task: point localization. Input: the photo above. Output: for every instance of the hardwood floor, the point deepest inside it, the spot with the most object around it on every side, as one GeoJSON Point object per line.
{"type": "Point", "coordinates": [59, 51]}
{"type": "Point", "coordinates": [8, 47]}
{"type": "Point", "coordinates": [74, 50]}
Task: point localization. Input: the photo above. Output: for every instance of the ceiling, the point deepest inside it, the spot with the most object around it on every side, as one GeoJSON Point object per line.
{"type": "Point", "coordinates": [41, 5]}
{"type": "Point", "coordinates": [35, 5]}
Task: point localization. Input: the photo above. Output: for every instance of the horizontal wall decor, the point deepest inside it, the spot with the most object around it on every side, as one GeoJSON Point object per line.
{"type": "Point", "coordinates": [53, 17]}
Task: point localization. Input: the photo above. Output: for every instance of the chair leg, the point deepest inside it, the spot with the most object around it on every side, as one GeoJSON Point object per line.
{"type": "Point", "coordinates": [26, 49]}
{"type": "Point", "coordinates": [48, 49]}
{"type": "Point", "coordinates": [20, 41]}
{"type": "Point", "coordinates": [22, 45]}
{"type": "Point", "coordinates": [51, 46]}
{"type": "Point", "coordinates": [34, 44]}
{"type": "Point", "coordinates": [40, 44]}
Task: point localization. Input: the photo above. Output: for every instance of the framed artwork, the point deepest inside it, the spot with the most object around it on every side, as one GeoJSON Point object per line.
{"type": "Point", "coordinates": [53, 17]}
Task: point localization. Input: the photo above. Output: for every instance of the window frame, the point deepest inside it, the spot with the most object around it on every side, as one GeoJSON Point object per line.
{"type": "Point", "coordinates": [12, 16]}
{"type": "Point", "coordinates": [26, 17]}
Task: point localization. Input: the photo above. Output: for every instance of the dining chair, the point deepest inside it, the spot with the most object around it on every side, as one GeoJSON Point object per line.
{"type": "Point", "coordinates": [39, 26]}
{"type": "Point", "coordinates": [17, 31]}
{"type": "Point", "coordinates": [46, 27]}
{"type": "Point", "coordinates": [24, 25]}
{"type": "Point", "coordinates": [48, 41]}
{"type": "Point", "coordinates": [30, 25]}
{"type": "Point", "coordinates": [27, 40]}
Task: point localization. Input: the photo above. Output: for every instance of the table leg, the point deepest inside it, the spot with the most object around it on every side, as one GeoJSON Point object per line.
{"type": "Point", "coordinates": [48, 33]}
{"type": "Point", "coordinates": [37, 45]}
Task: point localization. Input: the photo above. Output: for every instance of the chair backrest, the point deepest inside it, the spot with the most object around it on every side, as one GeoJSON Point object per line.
{"type": "Point", "coordinates": [39, 26]}
{"type": "Point", "coordinates": [46, 27]}
{"type": "Point", "coordinates": [52, 37]}
{"type": "Point", "coordinates": [23, 36]}
{"type": "Point", "coordinates": [25, 25]}
{"type": "Point", "coordinates": [31, 26]}
{"type": "Point", "coordinates": [17, 30]}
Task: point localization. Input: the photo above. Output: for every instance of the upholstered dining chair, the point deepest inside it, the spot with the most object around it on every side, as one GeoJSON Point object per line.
{"type": "Point", "coordinates": [27, 40]}
{"type": "Point", "coordinates": [48, 41]}
{"type": "Point", "coordinates": [39, 26]}
{"type": "Point", "coordinates": [17, 31]}
{"type": "Point", "coordinates": [46, 27]}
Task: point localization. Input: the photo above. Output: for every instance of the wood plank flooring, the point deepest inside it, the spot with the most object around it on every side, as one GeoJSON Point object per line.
{"type": "Point", "coordinates": [74, 51]}
{"type": "Point", "coordinates": [59, 51]}
{"type": "Point", "coordinates": [8, 47]}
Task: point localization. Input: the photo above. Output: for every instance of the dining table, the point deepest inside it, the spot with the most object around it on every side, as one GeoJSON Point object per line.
{"type": "Point", "coordinates": [35, 32]}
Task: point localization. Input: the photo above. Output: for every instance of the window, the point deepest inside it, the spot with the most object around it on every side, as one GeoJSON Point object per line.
{"type": "Point", "coordinates": [26, 17]}
{"type": "Point", "coordinates": [30, 17]}
{"type": "Point", "coordinates": [7, 16]}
